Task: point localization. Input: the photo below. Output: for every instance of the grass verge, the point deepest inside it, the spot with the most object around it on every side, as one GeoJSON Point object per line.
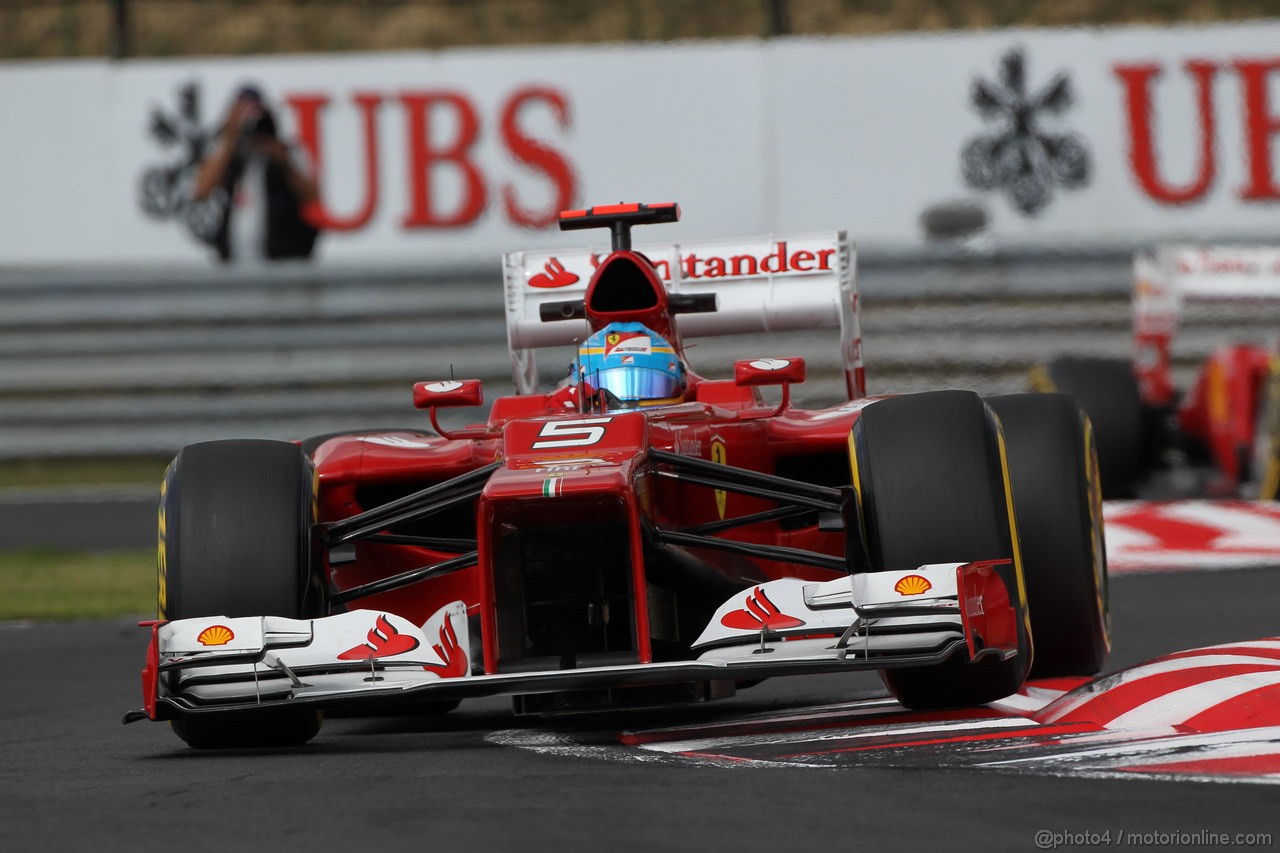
{"type": "Point", "coordinates": [42, 583]}
{"type": "Point", "coordinates": [123, 470]}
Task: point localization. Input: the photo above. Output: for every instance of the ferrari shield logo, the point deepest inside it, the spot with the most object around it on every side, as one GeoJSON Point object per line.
{"type": "Point", "coordinates": [719, 455]}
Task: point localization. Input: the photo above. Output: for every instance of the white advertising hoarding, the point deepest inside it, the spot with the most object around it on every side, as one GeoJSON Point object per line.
{"type": "Point", "coordinates": [1090, 135]}
{"type": "Point", "coordinates": [1082, 135]}
{"type": "Point", "coordinates": [422, 157]}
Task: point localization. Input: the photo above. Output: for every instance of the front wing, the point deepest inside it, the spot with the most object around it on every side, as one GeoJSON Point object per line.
{"type": "Point", "coordinates": [785, 627]}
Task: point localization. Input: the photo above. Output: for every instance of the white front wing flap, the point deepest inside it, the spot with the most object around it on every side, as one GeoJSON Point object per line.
{"type": "Point", "coordinates": [879, 614]}
{"type": "Point", "coordinates": [784, 627]}
{"type": "Point", "coordinates": [215, 659]}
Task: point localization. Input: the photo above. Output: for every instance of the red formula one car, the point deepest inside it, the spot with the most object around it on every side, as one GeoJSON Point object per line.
{"type": "Point", "coordinates": [1219, 439]}
{"type": "Point", "coordinates": [638, 535]}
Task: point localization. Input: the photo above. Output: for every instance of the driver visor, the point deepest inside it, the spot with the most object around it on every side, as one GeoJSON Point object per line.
{"type": "Point", "coordinates": [636, 384]}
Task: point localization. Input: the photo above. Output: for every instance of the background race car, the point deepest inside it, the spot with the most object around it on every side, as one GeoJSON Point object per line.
{"type": "Point", "coordinates": [1218, 438]}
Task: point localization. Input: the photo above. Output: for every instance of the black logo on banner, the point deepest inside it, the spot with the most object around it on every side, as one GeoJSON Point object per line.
{"type": "Point", "coordinates": [1016, 155]}
{"type": "Point", "coordinates": [165, 190]}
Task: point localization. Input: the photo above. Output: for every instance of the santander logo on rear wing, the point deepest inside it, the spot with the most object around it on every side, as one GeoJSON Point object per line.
{"type": "Point", "coordinates": [1171, 276]}
{"type": "Point", "coordinates": [762, 284]}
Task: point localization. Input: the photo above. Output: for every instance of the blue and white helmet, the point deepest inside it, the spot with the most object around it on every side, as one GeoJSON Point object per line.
{"type": "Point", "coordinates": [633, 364]}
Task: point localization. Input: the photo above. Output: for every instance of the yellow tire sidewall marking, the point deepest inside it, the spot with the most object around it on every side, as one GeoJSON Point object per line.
{"type": "Point", "coordinates": [1016, 542]}
{"type": "Point", "coordinates": [162, 557]}
{"type": "Point", "coordinates": [1097, 533]}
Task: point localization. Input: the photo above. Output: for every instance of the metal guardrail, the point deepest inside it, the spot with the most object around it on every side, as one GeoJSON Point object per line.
{"type": "Point", "coordinates": [133, 362]}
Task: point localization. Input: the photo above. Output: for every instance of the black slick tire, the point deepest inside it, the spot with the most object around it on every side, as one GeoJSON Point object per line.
{"type": "Point", "coordinates": [236, 540]}
{"type": "Point", "coordinates": [1108, 391]}
{"type": "Point", "coordinates": [1264, 462]}
{"type": "Point", "coordinates": [1053, 467]}
{"type": "Point", "coordinates": [930, 474]}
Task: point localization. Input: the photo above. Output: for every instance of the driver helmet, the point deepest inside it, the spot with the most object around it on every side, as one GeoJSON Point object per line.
{"type": "Point", "coordinates": [632, 365]}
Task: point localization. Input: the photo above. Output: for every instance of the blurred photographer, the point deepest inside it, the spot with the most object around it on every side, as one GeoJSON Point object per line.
{"type": "Point", "coordinates": [265, 194]}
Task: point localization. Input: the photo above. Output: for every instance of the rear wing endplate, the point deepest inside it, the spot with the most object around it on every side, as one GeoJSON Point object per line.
{"type": "Point", "coordinates": [762, 284]}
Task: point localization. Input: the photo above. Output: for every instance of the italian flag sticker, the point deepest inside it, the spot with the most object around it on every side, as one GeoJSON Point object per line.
{"type": "Point", "coordinates": [553, 487]}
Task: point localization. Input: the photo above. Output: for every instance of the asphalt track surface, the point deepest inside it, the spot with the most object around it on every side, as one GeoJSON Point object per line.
{"type": "Point", "coordinates": [73, 778]}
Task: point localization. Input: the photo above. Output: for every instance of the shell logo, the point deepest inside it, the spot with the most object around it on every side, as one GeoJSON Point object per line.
{"type": "Point", "coordinates": [912, 585]}
{"type": "Point", "coordinates": [216, 635]}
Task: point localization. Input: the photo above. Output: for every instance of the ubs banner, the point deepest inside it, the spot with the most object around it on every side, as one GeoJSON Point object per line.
{"type": "Point", "coordinates": [1043, 136]}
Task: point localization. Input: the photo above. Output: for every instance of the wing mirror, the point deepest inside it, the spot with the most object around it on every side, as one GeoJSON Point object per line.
{"type": "Point", "coordinates": [448, 393]}
{"type": "Point", "coordinates": [770, 371]}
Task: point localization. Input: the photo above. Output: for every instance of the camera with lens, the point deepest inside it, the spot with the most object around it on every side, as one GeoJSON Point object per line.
{"type": "Point", "coordinates": [263, 124]}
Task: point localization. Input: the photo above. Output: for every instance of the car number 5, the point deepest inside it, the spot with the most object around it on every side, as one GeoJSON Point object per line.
{"type": "Point", "coordinates": [576, 433]}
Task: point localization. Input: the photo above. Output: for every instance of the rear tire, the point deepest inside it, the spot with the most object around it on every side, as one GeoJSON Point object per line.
{"type": "Point", "coordinates": [1053, 469]}
{"type": "Point", "coordinates": [1264, 463]}
{"type": "Point", "coordinates": [1107, 390]}
{"type": "Point", "coordinates": [236, 540]}
{"type": "Point", "coordinates": [930, 475]}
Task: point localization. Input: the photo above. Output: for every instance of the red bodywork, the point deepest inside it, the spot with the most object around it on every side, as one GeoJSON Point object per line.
{"type": "Point", "coordinates": [578, 477]}
{"type": "Point", "coordinates": [1222, 407]}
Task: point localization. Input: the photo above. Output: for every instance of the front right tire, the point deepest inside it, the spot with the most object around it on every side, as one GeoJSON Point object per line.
{"type": "Point", "coordinates": [932, 483]}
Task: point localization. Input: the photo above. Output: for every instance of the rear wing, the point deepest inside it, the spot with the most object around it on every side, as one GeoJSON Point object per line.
{"type": "Point", "coordinates": [1165, 279]}
{"type": "Point", "coordinates": [1171, 276]}
{"type": "Point", "coordinates": [760, 284]}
